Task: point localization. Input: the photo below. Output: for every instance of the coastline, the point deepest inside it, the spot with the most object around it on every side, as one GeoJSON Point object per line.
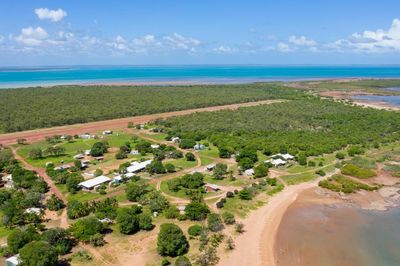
{"type": "Point", "coordinates": [256, 245]}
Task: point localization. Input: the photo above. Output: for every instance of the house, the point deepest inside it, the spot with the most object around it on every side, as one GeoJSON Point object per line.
{"type": "Point", "coordinates": [87, 152]}
{"type": "Point", "coordinates": [199, 147]}
{"type": "Point", "coordinates": [135, 152]}
{"type": "Point", "coordinates": [7, 181]}
{"type": "Point", "coordinates": [155, 146]}
{"type": "Point", "coordinates": [13, 261]}
{"type": "Point", "coordinates": [137, 167]}
{"type": "Point", "coordinates": [249, 172]}
{"type": "Point", "coordinates": [211, 188]}
{"type": "Point", "coordinates": [36, 211]}
{"type": "Point", "coordinates": [91, 174]}
{"type": "Point", "coordinates": [210, 167]}
{"type": "Point", "coordinates": [94, 182]}
{"type": "Point", "coordinates": [175, 139]}
{"type": "Point", "coordinates": [85, 136]}
{"type": "Point", "coordinates": [62, 167]}
{"type": "Point", "coordinates": [276, 162]}
{"type": "Point", "coordinates": [285, 156]}
{"type": "Point", "coordinates": [181, 209]}
{"type": "Point", "coordinates": [99, 158]}
{"type": "Point", "coordinates": [107, 132]}
{"type": "Point", "coordinates": [106, 221]}
{"type": "Point", "coordinates": [79, 156]}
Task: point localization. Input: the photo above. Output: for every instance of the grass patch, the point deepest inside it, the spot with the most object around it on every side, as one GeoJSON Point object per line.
{"type": "Point", "coordinates": [205, 160]}
{"type": "Point", "coordinates": [181, 164]}
{"type": "Point", "coordinates": [353, 170]}
{"type": "Point", "coordinates": [340, 183]}
{"type": "Point", "coordinates": [241, 207]}
{"type": "Point", "coordinates": [300, 178]}
{"type": "Point", "coordinates": [226, 181]}
{"type": "Point", "coordinates": [275, 190]}
{"type": "Point", "coordinates": [179, 194]}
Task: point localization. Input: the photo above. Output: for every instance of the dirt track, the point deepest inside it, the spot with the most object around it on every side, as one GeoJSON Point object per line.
{"type": "Point", "coordinates": [38, 134]}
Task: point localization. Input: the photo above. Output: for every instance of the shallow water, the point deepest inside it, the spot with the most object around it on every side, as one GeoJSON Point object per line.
{"type": "Point", "coordinates": [328, 235]}
{"type": "Point", "coordinates": [390, 99]}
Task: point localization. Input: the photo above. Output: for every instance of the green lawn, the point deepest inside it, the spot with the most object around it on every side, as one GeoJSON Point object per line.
{"type": "Point", "coordinates": [181, 164]}
{"type": "Point", "coordinates": [241, 207]}
{"type": "Point", "coordinates": [299, 178]}
{"type": "Point", "coordinates": [226, 181]}
{"type": "Point", "coordinates": [212, 151]}
{"type": "Point", "coordinates": [205, 160]}
{"type": "Point", "coordinates": [160, 137]}
{"type": "Point", "coordinates": [180, 194]}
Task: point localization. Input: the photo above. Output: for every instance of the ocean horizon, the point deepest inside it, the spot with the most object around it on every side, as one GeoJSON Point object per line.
{"type": "Point", "coordinates": [14, 77]}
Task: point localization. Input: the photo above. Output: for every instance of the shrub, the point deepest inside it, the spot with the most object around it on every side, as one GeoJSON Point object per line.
{"type": "Point", "coordinates": [172, 212]}
{"type": "Point", "coordinates": [38, 253]}
{"type": "Point", "coordinates": [320, 172]}
{"type": "Point", "coordinates": [245, 194]}
{"type": "Point", "coordinates": [228, 218]}
{"type": "Point", "coordinates": [182, 261]}
{"type": "Point", "coordinates": [195, 230]}
{"type": "Point", "coordinates": [214, 222]}
{"type": "Point", "coordinates": [84, 229]}
{"type": "Point", "coordinates": [54, 203]}
{"type": "Point", "coordinates": [340, 155]}
{"type": "Point", "coordinates": [196, 211]}
{"type": "Point", "coordinates": [353, 170]}
{"type": "Point", "coordinates": [230, 194]}
{"type": "Point", "coordinates": [190, 157]}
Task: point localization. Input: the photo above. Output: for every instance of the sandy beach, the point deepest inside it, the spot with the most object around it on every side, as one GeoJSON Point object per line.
{"type": "Point", "coordinates": [256, 246]}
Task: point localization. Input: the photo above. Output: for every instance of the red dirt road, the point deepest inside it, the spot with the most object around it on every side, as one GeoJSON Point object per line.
{"type": "Point", "coordinates": [121, 123]}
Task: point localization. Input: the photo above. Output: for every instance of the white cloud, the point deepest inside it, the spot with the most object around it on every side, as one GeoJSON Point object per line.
{"type": "Point", "coordinates": [1, 39]}
{"type": "Point", "coordinates": [32, 36]}
{"type": "Point", "coordinates": [223, 49]}
{"type": "Point", "coordinates": [283, 47]}
{"type": "Point", "coordinates": [377, 41]}
{"type": "Point", "coordinates": [179, 42]}
{"type": "Point", "coordinates": [53, 15]}
{"type": "Point", "coordinates": [301, 41]}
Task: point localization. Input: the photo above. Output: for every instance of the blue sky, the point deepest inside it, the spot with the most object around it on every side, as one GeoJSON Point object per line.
{"type": "Point", "coordinates": [199, 32]}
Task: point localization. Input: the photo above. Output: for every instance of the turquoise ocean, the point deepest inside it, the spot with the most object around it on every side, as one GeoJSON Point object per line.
{"type": "Point", "coordinates": [12, 77]}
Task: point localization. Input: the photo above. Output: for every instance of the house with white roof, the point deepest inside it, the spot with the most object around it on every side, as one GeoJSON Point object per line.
{"type": "Point", "coordinates": [137, 167]}
{"type": "Point", "coordinates": [13, 261]}
{"type": "Point", "coordinates": [276, 162]}
{"type": "Point", "coordinates": [210, 167]}
{"type": "Point", "coordinates": [34, 210]}
{"type": "Point", "coordinates": [285, 156]}
{"type": "Point", "coordinates": [94, 182]}
{"type": "Point", "coordinates": [78, 156]}
{"type": "Point", "coordinates": [249, 172]}
{"type": "Point", "coordinates": [134, 152]}
{"type": "Point", "coordinates": [175, 139]}
{"type": "Point", "coordinates": [199, 147]}
{"type": "Point", "coordinates": [155, 146]}
{"type": "Point", "coordinates": [107, 132]}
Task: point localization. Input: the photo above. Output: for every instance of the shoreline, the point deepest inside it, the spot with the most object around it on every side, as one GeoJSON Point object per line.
{"type": "Point", "coordinates": [256, 246]}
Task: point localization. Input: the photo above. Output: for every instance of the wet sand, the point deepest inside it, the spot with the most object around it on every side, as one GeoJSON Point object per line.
{"type": "Point", "coordinates": [321, 230]}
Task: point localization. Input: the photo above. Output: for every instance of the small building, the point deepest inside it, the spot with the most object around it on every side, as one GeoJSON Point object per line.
{"type": "Point", "coordinates": [181, 209]}
{"type": "Point", "coordinates": [276, 162]}
{"type": "Point", "coordinates": [79, 156]}
{"type": "Point", "coordinates": [62, 167]}
{"type": "Point", "coordinates": [285, 156]}
{"type": "Point", "coordinates": [155, 146]}
{"type": "Point", "coordinates": [107, 132]}
{"type": "Point", "coordinates": [87, 152]}
{"type": "Point", "coordinates": [106, 221]}
{"type": "Point", "coordinates": [137, 167]}
{"type": "Point", "coordinates": [89, 174]}
{"type": "Point", "coordinates": [34, 210]}
{"type": "Point", "coordinates": [210, 167]}
{"type": "Point", "coordinates": [175, 139]}
{"type": "Point", "coordinates": [211, 188]}
{"type": "Point", "coordinates": [94, 182]}
{"type": "Point", "coordinates": [249, 172]}
{"type": "Point", "coordinates": [13, 261]}
{"type": "Point", "coordinates": [134, 152]}
{"type": "Point", "coordinates": [85, 136]}
{"type": "Point", "coordinates": [99, 158]}
{"type": "Point", "coordinates": [199, 147]}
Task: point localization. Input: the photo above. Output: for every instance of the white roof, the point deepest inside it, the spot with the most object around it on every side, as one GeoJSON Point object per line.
{"type": "Point", "coordinates": [276, 162]}
{"type": "Point", "coordinates": [155, 146]}
{"type": "Point", "coordinates": [215, 187]}
{"type": "Point", "coordinates": [249, 171]}
{"type": "Point", "coordinates": [285, 156]}
{"type": "Point", "coordinates": [134, 152]}
{"type": "Point", "coordinates": [129, 175]}
{"type": "Point", "coordinates": [135, 166]}
{"type": "Point", "coordinates": [95, 181]}
{"type": "Point", "coordinates": [118, 178]}
{"type": "Point", "coordinates": [33, 210]}
{"type": "Point", "coordinates": [210, 165]}
{"type": "Point", "coordinates": [14, 259]}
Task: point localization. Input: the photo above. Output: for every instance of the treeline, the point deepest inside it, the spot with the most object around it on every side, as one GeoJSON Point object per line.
{"type": "Point", "coordinates": [30, 108]}
{"type": "Point", "coordinates": [308, 126]}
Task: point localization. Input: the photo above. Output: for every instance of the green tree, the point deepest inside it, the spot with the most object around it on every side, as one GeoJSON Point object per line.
{"type": "Point", "coordinates": [60, 239]}
{"type": "Point", "coordinates": [245, 163]}
{"type": "Point", "coordinates": [171, 241]}
{"type": "Point", "coordinates": [214, 222]}
{"type": "Point", "coordinates": [19, 238]}
{"type": "Point", "coordinates": [220, 170]}
{"type": "Point", "coordinates": [38, 253]}
{"type": "Point", "coordinates": [35, 153]}
{"type": "Point", "coordinates": [187, 143]}
{"type": "Point", "coordinates": [128, 221]}
{"type": "Point", "coordinates": [190, 157]}
{"type": "Point", "coordinates": [195, 230]}
{"type": "Point", "coordinates": [135, 190]}
{"type": "Point", "coordinates": [155, 167]}
{"type": "Point", "coordinates": [228, 218]}
{"type": "Point", "coordinates": [245, 194]}
{"type": "Point", "coordinates": [98, 149]}
{"type": "Point", "coordinates": [73, 182]}
{"type": "Point", "coordinates": [192, 181]}
{"type": "Point", "coordinates": [54, 203]}
{"type": "Point", "coordinates": [302, 159]}
{"type": "Point", "coordinates": [196, 211]}
{"type": "Point", "coordinates": [85, 228]}
{"type": "Point", "coordinates": [169, 167]}
{"type": "Point", "coordinates": [261, 170]}
{"type": "Point", "coordinates": [182, 261]}
{"type": "Point", "coordinates": [145, 222]}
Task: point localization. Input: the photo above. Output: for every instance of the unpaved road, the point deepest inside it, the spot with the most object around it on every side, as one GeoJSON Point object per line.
{"type": "Point", "coordinates": [121, 123]}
